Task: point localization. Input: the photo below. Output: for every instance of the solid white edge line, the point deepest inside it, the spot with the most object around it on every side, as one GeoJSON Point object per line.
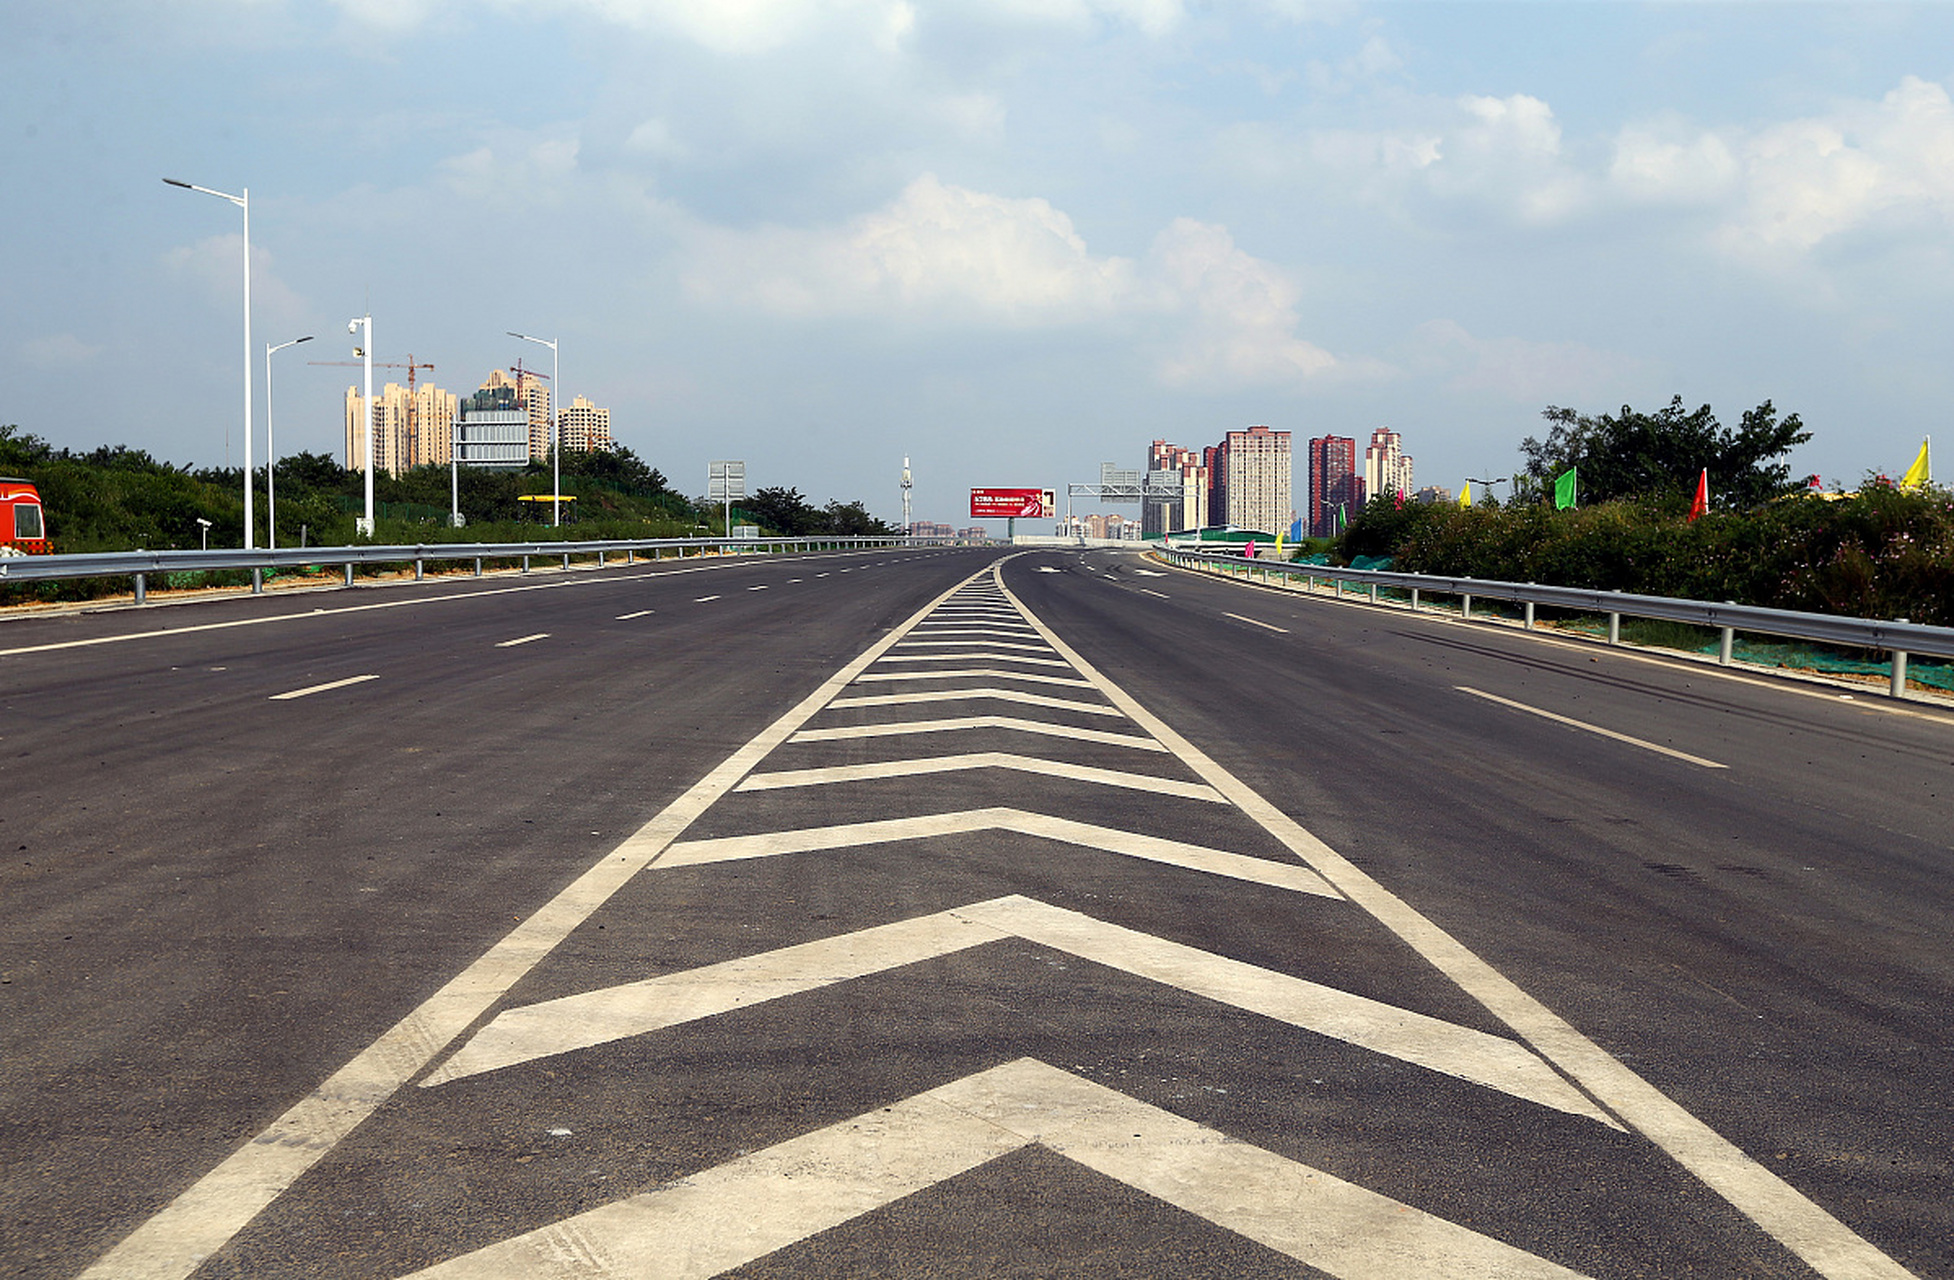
{"type": "Point", "coordinates": [510, 644]}
{"type": "Point", "coordinates": [1591, 728]}
{"type": "Point", "coordinates": [177, 1239]}
{"type": "Point", "coordinates": [1827, 1245]}
{"type": "Point", "coordinates": [321, 688]}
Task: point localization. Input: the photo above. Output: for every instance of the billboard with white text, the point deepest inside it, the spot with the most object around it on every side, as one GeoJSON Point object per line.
{"type": "Point", "coordinates": [1012, 504]}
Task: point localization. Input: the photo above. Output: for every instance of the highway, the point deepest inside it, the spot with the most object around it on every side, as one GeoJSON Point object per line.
{"type": "Point", "coordinates": [954, 912]}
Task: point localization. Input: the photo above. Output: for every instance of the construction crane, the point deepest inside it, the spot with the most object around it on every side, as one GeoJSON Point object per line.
{"type": "Point", "coordinates": [413, 426]}
{"type": "Point", "coordinates": [523, 400]}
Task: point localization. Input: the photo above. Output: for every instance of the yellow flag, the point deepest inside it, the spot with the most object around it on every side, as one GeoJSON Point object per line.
{"type": "Point", "coordinates": [1465, 495]}
{"type": "Point", "coordinates": [1921, 472]}
{"type": "Point", "coordinates": [1278, 544]}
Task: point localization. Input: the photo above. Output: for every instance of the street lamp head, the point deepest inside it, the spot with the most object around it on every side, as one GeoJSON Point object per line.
{"type": "Point", "coordinates": [173, 182]}
{"type": "Point", "coordinates": [353, 325]}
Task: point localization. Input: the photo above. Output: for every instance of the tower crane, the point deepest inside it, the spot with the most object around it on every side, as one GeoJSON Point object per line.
{"type": "Point", "coordinates": [413, 442]}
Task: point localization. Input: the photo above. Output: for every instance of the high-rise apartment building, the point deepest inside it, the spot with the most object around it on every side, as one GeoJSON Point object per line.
{"type": "Point", "coordinates": [405, 428]}
{"type": "Point", "coordinates": [1183, 469]}
{"type": "Point", "coordinates": [1251, 480]}
{"type": "Point", "coordinates": [1387, 467]}
{"type": "Point", "coordinates": [583, 426]}
{"type": "Point", "coordinates": [1332, 483]}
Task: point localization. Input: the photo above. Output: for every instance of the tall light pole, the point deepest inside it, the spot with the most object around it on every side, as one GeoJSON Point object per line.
{"type": "Point", "coordinates": [242, 201]}
{"type": "Point", "coordinates": [556, 442]}
{"type": "Point", "coordinates": [363, 325]}
{"type": "Point", "coordinates": [271, 451]}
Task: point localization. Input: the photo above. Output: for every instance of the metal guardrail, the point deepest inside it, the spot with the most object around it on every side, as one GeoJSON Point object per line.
{"type": "Point", "coordinates": [141, 565]}
{"type": "Point", "coordinates": [1898, 638]}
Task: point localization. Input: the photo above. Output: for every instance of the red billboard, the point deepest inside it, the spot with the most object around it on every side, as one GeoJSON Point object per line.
{"type": "Point", "coordinates": [1011, 504]}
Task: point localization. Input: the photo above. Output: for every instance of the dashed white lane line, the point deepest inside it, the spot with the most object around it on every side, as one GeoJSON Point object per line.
{"type": "Point", "coordinates": [761, 587]}
{"type": "Point", "coordinates": [704, 599]}
{"type": "Point", "coordinates": [1162, 594]}
{"type": "Point", "coordinates": [321, 688]}
{"type": "Point", "coordinates": [642, 613]}
{"type": "Point", "coordinates": [1269, 626]}
{"type": "Point", "coordinates": [1593, 728]}
{"type": "Point", "coordinates": [510, 644]}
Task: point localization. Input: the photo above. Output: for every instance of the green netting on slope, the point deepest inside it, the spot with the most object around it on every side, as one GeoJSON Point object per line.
{"type": "Point", "coordinates": [1800, 657]}
{"type": "Point", "coordinates": [1380, 563]}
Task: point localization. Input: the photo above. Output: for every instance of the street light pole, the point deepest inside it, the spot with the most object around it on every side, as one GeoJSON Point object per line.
{"type": "Point", "coordinates": [363, 325]}
{"type": "Point", "coordinates": [556, 436]}
{"type": "Point", "coordinates": [271, 451]}
{"type": "Point", "coordinates": [242, 201]}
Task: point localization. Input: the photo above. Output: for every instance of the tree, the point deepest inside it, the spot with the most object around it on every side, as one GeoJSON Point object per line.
{"type": "Point", "coordinates": [851, 519]}
{"type": "Point", "coordinates": [785, 511]}
{"type": "Point", "coordinates": [1637, 455]}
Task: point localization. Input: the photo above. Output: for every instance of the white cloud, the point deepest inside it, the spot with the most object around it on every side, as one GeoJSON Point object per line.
{"type": "Point", "coordinates": [937, 249]}
{"type": "Point", "coordinates": [1210, 313]}
{"type": "Point", "coordinates": [1240, 313]}
{"type": "Point", "coordinates": [59, 351]}
{"type": "Point", "coordinates": [522, 166]}
{"type": "Point", "coordinates": [655, 138]}
{"type": "Point", "coordinates": [1808, 180]}
{"type": "Point", "coordinates": [1659, 164]}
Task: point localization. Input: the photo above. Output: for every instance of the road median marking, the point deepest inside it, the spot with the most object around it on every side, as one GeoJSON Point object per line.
{"type": "Point", "coordinates": [1253, 622]}
{"type": "Point", "coordinates": [719, 1219]}
{"type": "Point", "coordinates": [1572, 723]}
{"type": "Point", "coordinates": [510, 644]}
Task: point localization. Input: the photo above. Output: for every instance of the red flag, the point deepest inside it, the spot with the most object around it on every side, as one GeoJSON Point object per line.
{"type": "Point", "coordinates": [1702, 502]}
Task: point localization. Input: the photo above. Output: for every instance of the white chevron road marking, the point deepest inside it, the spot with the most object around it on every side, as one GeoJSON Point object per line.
{"type": "Point", "coordinates": [968, 695]}
{"type": "Point", "coordinates": [972, 673]}
{"type": "Point", "coordinates": [987, 655]}
{"type": "Point", "coordinates": [600, 1017]}
{"type": "Point", "coordinates": [980, 760]}
{"type": "Point", "coordinates": [973, 644]}
{"type": "Point", "coordinates": [722, 1218]}
{"type": "Point", "coordinates": [1194, 857]}
{"type": "Point", "coordinates": [844, 732]}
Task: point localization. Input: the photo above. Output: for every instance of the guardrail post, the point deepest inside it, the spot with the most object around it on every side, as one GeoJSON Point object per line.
{"type": "Point", "coordinates": [1725, 645]}
{"type": "Point", "coordinates": [630, 555]}
{"type": "Point", "coordinates": [1614, 628]}
{"type": "Point", "coordinates": [1465, 608]}
{"type": "Point", "coordinates": [566, 562]}
{"type": "Point", "coordinates": [600, 557]}
{"type": "Point", "coordinates": [349, 573]}
{"type": "Point", "coordinates": [420, 569]}
{"type": "Point", "coordinates": [1529, 624]}
{"type": "Point", "coordinates": [142, 590]}
{"type": "Point", "coordinates": [1414, 599]}
{"type": "Point", "coordinates": [525, 564]}
{"type": "Point", "coordinates": [1373, 593]}
{"type": "Point", "coordinates": [478, 566]}
{"type": "Point", "coordinates": [257, 582]}
{"type": "Point", "coordinates": [1897, 684]}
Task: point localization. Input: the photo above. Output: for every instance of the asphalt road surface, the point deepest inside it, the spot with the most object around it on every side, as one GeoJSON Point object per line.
{"type": "Point", "coordinates": [954, 912]}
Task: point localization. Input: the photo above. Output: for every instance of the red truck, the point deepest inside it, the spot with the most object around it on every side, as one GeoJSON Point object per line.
{"type": "Point", "coordinates": [23, 529]}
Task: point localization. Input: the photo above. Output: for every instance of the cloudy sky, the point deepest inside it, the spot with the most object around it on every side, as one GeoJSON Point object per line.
{"type": "Point", "coordinates": [1011, 239]}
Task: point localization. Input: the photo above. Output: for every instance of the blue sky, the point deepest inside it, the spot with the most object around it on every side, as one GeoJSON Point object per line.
{"type": "Point", "coordinates": [1009, 239]}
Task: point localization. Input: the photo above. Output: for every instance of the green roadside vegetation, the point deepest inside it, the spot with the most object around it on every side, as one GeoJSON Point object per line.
{"type": "Point", "coordinates": [1766, 539]}
{"type": "Point", "coordinates": [119, 499]}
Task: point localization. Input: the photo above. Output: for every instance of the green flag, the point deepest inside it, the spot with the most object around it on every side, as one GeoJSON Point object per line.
{"type": "Point", "coordinates": [1564, 490]}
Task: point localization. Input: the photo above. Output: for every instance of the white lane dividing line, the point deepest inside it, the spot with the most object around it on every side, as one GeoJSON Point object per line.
{"type": "Point", "coordinates": [584, 1021]}
{"type": "Point", "coordinates": [719, 1219]}
{"type": "Point", "coordinates": [761, 587]}
{"type": "Point", "coordinates": [321, 688]}
{"type": "Point", "coordinates": [970, 695]}
{"type": "Point", "coordinates": [704, 599]}
{"type": "Point", "coordinates": [1267, 626]}
{"type": "Point", "coordinates": [973, 673]}
{"type": "Point", "coordinates": [510, 644]}
{"type": "Point", "coordinates": [987, 655]}
{"type": "Point", "coordinates": [1162, 594]}
{"type": "Point", "coordinates": [1593, 728]}
{"type": "Point", "coordinates": [642, 613]}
